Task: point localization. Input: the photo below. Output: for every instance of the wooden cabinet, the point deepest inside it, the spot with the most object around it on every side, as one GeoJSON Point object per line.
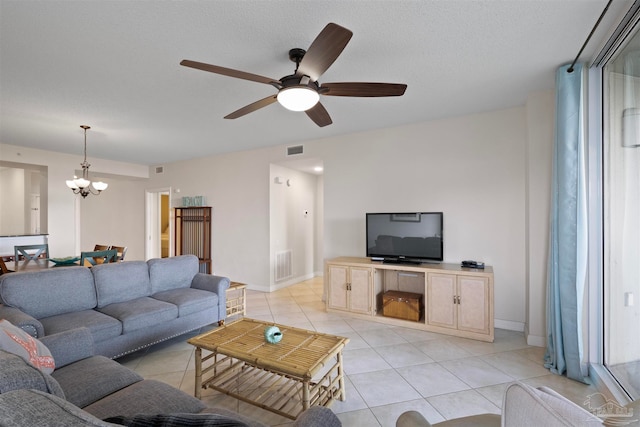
{"type": "Point", "coordinates": [440, 299]}
{"type": "Point", "coordinates": [193, 234]}
{"type": "Point", "coordinates": [457, 301]}
{"type": "Point", "coordinates": [349, 288]}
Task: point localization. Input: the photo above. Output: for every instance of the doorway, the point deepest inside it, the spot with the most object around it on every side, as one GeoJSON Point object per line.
{"type": "Point", "coordinates": [158, 224]}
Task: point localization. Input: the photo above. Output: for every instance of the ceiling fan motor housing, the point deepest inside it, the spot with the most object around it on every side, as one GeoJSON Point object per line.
{"type": "Point", "coordinates": [293, 80]}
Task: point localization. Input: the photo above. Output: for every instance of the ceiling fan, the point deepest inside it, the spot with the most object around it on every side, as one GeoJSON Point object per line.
{"type": "Point", "coordinates": [301, 91]}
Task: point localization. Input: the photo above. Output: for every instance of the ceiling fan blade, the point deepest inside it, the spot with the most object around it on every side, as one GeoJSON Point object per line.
{"type": "Point", "coordinates": [230, 72]}
{"type": "Point", "coordinates": [363, 89]}
{"type": "Point", "coordinates": [319, 115]}
{"type": "Point", "coordinates": [252, 107]}
{"type": "Point", "coordinates": [324, 50]}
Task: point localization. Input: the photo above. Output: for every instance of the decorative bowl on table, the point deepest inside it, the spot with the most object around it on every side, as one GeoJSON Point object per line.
{"type": "Point", "coordinates": [70, 260]}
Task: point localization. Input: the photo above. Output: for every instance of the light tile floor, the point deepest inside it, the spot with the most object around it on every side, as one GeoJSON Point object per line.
{"type": "Point", "coordinates": [389, 369]}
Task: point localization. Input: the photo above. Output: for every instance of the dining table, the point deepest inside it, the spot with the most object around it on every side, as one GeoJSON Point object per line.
{"type": "Point", "coordinates": [37, 264]}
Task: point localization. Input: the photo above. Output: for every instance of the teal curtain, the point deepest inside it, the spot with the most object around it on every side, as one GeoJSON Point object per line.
{"type": "Point", "coordinates": [568, 235]}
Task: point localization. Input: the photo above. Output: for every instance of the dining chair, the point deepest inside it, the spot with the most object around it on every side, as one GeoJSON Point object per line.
{"type": "Point", "coordinates": [122, 250]}
{"type": "Point", "coordinates": [91, 258]}
{"type": "Point", "coordinates": [30, 252]}
{"type": "Point", "coordinates": [101, 248]}
{"type": "Point", "coordinates": [3, 267]}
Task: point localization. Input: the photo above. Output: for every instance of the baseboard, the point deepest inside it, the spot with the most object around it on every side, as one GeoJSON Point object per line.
{"type": "Point", "coordinates": [508, 325]}
{"type": "Point", "coordinates": [292, 281]}
{"type": "Point", "coordinates": [536, 341]}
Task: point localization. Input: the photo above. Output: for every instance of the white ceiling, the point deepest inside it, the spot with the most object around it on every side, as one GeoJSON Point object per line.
{"type": "Point", "coordinates": [114, 65]}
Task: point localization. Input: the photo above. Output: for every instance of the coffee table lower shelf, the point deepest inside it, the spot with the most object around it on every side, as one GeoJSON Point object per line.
{"type": "Point", "coordinates": [284, 395]}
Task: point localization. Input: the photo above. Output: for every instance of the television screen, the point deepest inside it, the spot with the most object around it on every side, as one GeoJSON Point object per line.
{"type": "Point", "coordinates": [405, 237]}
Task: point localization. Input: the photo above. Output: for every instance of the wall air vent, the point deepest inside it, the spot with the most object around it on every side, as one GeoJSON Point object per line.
{"type": "Point", "coordinates": [297, 149]}
{"type": "Point", "coordinates": [159, 169]}
{"type": "Point", "coordinates": [284, 265]}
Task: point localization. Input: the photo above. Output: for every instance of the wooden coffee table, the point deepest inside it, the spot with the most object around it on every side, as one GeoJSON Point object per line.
{"type": "Point", "coordinates": [305, 368]}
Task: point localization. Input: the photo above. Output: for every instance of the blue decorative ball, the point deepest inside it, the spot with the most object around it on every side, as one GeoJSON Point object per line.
{"type": "Point", "coordinates": [272, 334]}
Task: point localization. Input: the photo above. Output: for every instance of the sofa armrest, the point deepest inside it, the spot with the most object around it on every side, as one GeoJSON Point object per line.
{"type": "Point", "coordinates": [22, 320]}
{"type": "Point", "coordinates": [216, 284]}
{"type": "Point", "coordinates": [523, 403]}
{"type": "Point", "coordinates": [70, 346]}
{"type": "Point", "coordinates": [412, 419]}
{"type": "Point", "coordinates": [317, 416]}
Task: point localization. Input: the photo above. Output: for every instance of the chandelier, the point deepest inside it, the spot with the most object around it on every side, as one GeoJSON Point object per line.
{"type": "Point", "coordinates": [82, 185]}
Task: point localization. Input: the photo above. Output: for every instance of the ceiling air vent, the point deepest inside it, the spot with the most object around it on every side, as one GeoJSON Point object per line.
{"type": "Point", "coordinates": [292, 151]}
{"type": "Point", "coordinates": [159, 169]}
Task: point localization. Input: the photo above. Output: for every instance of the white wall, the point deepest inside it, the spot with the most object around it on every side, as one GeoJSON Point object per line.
{"type": "Point", "coordinates": [319, 237]}
{"type": "Point", "coordinates": [471, 168]}
{"type": "Point", "coordinates": [293, 222]}
{"type": "Point", "coordinates": [474, 168]}
{"type": "Point", "coordinates": [540, 131]}
{"type": "Point", "coordinates": [236, 186]}
{"type": "Point", "coordinates": [13, 200]}
{"type": "Point", "coordinates": [63, 217]}
{"type": "Point", "coordinates": [115, 217]}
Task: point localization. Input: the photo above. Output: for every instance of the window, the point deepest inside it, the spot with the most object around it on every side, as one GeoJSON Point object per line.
{"type": "Point", "coordinates": [621, 215]}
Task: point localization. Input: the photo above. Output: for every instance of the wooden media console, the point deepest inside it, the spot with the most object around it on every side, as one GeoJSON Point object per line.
{"type": "Point", "coordinates": [457, 301]}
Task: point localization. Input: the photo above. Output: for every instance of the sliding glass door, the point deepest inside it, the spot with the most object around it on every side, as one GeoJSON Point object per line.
{"type": "Point", "coordinates": [621, 216]}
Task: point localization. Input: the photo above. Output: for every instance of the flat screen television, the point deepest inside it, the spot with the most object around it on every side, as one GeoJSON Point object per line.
{"type": "Point", "coordinates": [402, 237]}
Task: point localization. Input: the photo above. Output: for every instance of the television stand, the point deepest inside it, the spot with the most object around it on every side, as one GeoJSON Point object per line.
{"type": "Point", "coordinates": [457, 301]}
{"type": "Point", "coordinates": [401, 261]}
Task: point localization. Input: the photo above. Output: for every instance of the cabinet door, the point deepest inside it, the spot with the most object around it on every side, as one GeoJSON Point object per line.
{"type": "Point", "coordinates": [441, 306]}
{"type": "Point", "coordinates": [338, 279]}
{"type": "Point", "coordinates": [473, 309]}
{"type": "Point", "coordinates": [360, 290]}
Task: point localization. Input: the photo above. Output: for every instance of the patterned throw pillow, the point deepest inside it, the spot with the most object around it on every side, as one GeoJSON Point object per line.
{"type": "Point", "coordinates": [16, 341]}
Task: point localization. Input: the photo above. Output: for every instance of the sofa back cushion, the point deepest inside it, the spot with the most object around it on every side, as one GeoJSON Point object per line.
{"type": "Point", "coordinates": [172, 273]}
{"type": "Point", "coordinates": [121, 281]}
{"type": "Point", "coordinates": [49, 292]}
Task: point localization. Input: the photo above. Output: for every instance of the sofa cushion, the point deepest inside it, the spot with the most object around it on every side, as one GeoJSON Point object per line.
{"type": "Point", "coordinates": [188, 300]}
{"type": "Point", "coordinates": [145, 397]}
{"type": "Point", "coordinates": [172, 273]}
{"type": "Point", "coordinates": [141, 313]}
{"type": "Point", "coordinates": [67, 290]}
{"type": "Point", "coordinates": [91, 379]}
{"type": "Point", "coordinates": [33, 408]}
{"type": "Point", "coordinates": [121, 281]}
{"type": "Point", "coordinates": [17, 374]}
{"type": "Point", "coordinates": [16, 341]}
{"type": "Point", "coordinates": [102, 327]}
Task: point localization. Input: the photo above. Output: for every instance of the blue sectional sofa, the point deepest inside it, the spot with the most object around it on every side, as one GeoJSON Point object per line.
{"type": "Point", "coordinates": [126, 306]}
{"type": "Point", "coordinates": [89, 390]}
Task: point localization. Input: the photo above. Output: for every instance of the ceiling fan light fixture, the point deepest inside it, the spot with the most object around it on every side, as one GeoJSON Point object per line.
{"type": "Point", "coordinates": [298, 98]}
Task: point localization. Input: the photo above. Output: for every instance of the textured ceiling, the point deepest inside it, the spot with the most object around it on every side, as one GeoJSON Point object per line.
{"type": "Point", "coordinates": [114, 65]}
